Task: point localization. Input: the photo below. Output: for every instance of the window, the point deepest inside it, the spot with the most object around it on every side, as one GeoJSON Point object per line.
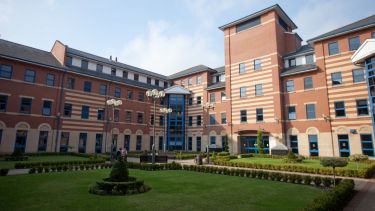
{"type": "Point", "coordinates": [309, 59]}
{"type": "Point", "coordinates": [358, 75]}
{"type": "Point", "coordinates": [333, 48]}
{"type": "Point", "coordinates": [82, 142]}
{"type": "Point", "coordinates": [47, 108]}
{"type": "Point", "coordinates": [367, 145]}
{"type": "Point", "coordinates": [140, 118]}
{"type": "Point", "coordinates": [242, 68]}
{"type": "Point", "coordinates": [190, 81]}
{"type": "Point", "coordinates": [223, 96]}
{"type": "Point", "coordinates": [138, 146]}
{"type": "Point", "coordinates": [136, 77]}
{"type": "Point", "coordinates": [258, 89]}
{"type": "Point", "coordinates": [156, 82]}
{"type": "Point", "coordinates": [87, 86]}
{"type": "Point", "coordinates": [199, 120]}
{"type": "Point", "coordinates": [42, 143]}
{"type": "Point", "coordinates": [113, 71]}
{"type": "Point", "coordinates": [362, 107]}
{"type": "Point", "coordinates": [212, 119]}
{"type": "Point", "coordinates": [336, 78]}
{"type": "Point", "coordinates": [223, 118]}
{"type": "Point", "coordinates": [26, 105]}
{"type": "Point", "coordinates": [98, 143]}
{"type": "Point", "coordinates": [130, 94]}
{"type": "Point", "coordinates": [248, 24]}
{"type": "Point", "coordinates": [3, 103]}
{"type": "Point", "coordinates": [50, 79]}
{"type": "Point", "coordinates": [292, 62]}
{"type": "Point", "coordinates": [199, 80]}
{"type": "Point", "coordinates": [67, 110]}
{"type": "Point", "coordinates": [292, 112]}
{"type": "Point", "coordinates": [373, 35]}
{"type": "Point", "coordinates": [125, 74]}
{"type": "Point", "coordinates": [20, 143]}
{"type": "Point", "coordinates": [259, 114]}
{"type": "Point", "coordinates": [294, 143]}
{"type": "Point", "coordinates": [161, 121]}
{"type": "Point", "coordinates": [283, 24]}
{"type": "Point", "coordinates": [308, 83]}
{"type": "Point", "coordinates": [30, 76]}
{"type": "Point", "coordinates": [182, 82]}
{"type": "Point", "coordinates": [313, 145]}
{"type": "Point", "coordinates": [354, 43]}
{"type": "Point", "coordinates": [128, 116]}
{"type": "Point", "coordinates": [310, 111]}
{"type": "Point", "coordinates": [190, 143]}
{"type": "Point", "coordinates": [257, 64]}
{"type": "Point", "coordinates": [190, 101]}
{"type": "Point", "coordinates": [152, 119]}
{"type": "Point", "coordinates": [340, 109]}
{"type": "Point", "coordinates": [64, 141]}
{"type": "Point", "coordinates": [165, 84]}
{"type": "Point", "coordinates": [190, 123]}
{"type": "Point", "coordinates": [290, 86]}
{"type": "Point", "coordinates": [141, 96]}
{"type": "Point", "coordinates": [69, 60]}
{"type": "Point", "coordinates": [199, 100]}
{"type": "Point", "coordinates": [212, 140]}
{"type": "Point", "coordinates": [243, 115]}
{"type": "Point", "coordinates": [70, 83]}
{"type": "Point", "coordinates": [117, 92]}
{"type": "Point", "coordinates": [6, 71]}
{"type": "Point", "coordinates": [103, 89]}
{"type": "Point", "coordinates": [116, 114]}
{"type": "Point", "coordinates": [212, 97]}
{"type": "Point", "coordinates": [343, 145]}
{"type": "Point", "coordinates": [148, 80]}
{"type": "Point", "coordinates": [99, 68]}
{"type": "Point", "coordinates": [242, 92]}
{"type": "Point", "coordinates": [85, 64]}
{"type": "Point", "coordinates": [85, 112]}
{"type": "Point", "coordinates": [100, 114]}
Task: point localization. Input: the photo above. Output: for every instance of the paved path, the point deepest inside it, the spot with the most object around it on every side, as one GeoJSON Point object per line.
{"type": "Point", "coordinates": [365, 197]}
{"type": "Point", "coordinates": [18, 171]}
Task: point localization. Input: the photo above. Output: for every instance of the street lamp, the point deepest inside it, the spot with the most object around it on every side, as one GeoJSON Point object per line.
{"type": "Point", "coordinates": [154, 94]}
{"type": "Point", "coordinates": [165, 111]}
{"type": "Point", "coordinates": [113, 103]}
{"type": "Point", "coordinates": [208, 106]}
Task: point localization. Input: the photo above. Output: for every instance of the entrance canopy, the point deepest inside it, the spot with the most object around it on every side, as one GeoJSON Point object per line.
{"type": "Point", "coordinates": [179, 90]}
{"type": "Point", "coordinates": [366, 50]}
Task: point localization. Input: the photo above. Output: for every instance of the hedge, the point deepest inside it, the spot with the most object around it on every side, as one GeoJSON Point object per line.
{"type": "Point", "coordinates": [363, 173]}
{"type": "Point", "coordinates": [4, 171]}
{"type": "Point", "coordinates": [335, 199]}
{"type": "Point", "coordinates": [56, 163]}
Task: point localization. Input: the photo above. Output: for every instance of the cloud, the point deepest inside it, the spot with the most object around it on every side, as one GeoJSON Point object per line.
{"type": "Point", "coordinates": [6, 10]}
{"type": "Point", "coordinates": [167, 53]}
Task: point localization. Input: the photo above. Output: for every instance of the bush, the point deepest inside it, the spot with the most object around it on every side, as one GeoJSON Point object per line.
{"type": "Point", "coordinates": [4, 171]}
{"type": "Point", "coordinates": [307, 180]}
{"type": "Point", "coordinates": [317, 181]}
{"type": "Point", "coordinates": [56, 163]}
{"type": "Point", "coordinates": [327, 182]}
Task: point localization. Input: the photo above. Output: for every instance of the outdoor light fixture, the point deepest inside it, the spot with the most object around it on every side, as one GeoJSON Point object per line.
{"type": "Point", "coordinates": [165, 111]}
{"type": "Point", "coordinates": [113, 103]}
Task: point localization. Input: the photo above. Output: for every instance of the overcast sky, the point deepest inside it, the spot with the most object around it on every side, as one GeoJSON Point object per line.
{"type": "Point", "coordinates": [163, 36]}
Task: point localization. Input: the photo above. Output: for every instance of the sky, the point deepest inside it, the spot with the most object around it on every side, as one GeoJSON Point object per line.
{"type": "Point", "coordinates": [163, 36]}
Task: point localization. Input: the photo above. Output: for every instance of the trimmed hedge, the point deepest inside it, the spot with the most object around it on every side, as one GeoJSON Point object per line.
{"type": "Point", "coordinates": [132, 186]}
{"type": "Point", "coordinates": [335, 199]}
{"type": "Point", "coordinates": [16, 158]}
{"type": "Point", "coordinates": [56, 163]}
{"type": "Point", "coordinates": [4, 171]}
{"type": "Point", "coordinates": [363, 173]}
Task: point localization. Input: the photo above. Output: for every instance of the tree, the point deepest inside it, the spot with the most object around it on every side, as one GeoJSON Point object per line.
{"type": "Point", "coordinates": [260, 142]}
{"type": "Point", "coordinates": [226, 146]}
{"type": "Point", "coordinates": [334, 163]}
{"type": "Point", "coordinates": [119, 171]}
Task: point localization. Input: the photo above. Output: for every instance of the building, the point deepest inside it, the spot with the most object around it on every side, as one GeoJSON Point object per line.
{"type": "Point", "coordinates": [310, 98]}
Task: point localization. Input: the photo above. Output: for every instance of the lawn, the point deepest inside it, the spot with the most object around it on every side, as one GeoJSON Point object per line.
{"type": "Point", "coordinates": [306, 163]}
{"type": "Point", "coordinates": [171, 190]}
{"type": "Point", "coordinates": [49, 158]}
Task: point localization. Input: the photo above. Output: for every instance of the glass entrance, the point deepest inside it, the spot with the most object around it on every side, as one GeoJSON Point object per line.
{"type": "Point", "coordinates": [176, 122]}
{"type": "Point", "coordinates": [344, 145]}
{"type": "Point", "coordinates": [249, 144]}
{"type": "Point", "coordinates": [20, 144]}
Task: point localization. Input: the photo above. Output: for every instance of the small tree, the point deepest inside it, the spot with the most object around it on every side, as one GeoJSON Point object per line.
{"type": "Point", "coordinates": [119, 171]}
{"type": "Point", "coordinates": [226, 145]}
{"type": "Point", "coordinates": [260, 142]}
{"type": "Point", "coordinates": [334, 163]}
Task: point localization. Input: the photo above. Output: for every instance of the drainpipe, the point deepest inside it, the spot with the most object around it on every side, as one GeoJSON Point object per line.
{"type": "Point", "coordinates": [230, 100]}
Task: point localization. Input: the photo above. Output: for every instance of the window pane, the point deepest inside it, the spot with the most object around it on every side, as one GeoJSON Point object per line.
{"type": "Point", "coordinates": [5, 71]}
{"type": "Point", "coordinates": [3, 103]}
{"type": "Point", "coordinates": [257, 64]}
{"type": "Point", "coordinates": [242, 92]}
{"type": "Point", "coordinates": [309, 59]}
{"type": "Point", "coordinates": [47, 107]}
{"type": "Point", "coordinates": [362, 107]}
{"type": "Point", "coordinates": [259, 114]}
{"type": "Point", "coordinates": [25, 105]}
{"type": "Point", "coordinates": [50, 80]}
{"type": "Point", "coordinates": [291, 112]}
{"type": "Point", "coordinates": [310, 111]}
{"type": "Point", "coordinates": [258, 89]}
{"type": "Point", "coordinates": [308, 83]}
{"type": "Point", "coordinates": [340, 109]}
{"type": "Point", "coordinates": [336, 78]}
{"type": "Point", "coordinates": [242, 67]}
{"type": "Point", "coordinates": [354, 43]}
{"type": "Point", "coordinates": [290, 86]}
{"type": "Point", "coordinates": [333, 48]}
{"type": "Point", "coordinates": [358, 75]}
{"type": "Point", "coordinates": [30, 76]}
{"type": "Point", "coordinates": [248, 24]}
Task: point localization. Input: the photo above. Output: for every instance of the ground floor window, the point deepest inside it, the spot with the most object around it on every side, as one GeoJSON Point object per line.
{"type": "Point", "coordinates": [199, 143]}
{"type": "Point", "coordinates": [313, 144]}
{"type": "Point", "coordinates": [64, 142]}
{"type": "Point", "coordinates": [151, 142]}
{"type": "Point", "coordinates": [82, 142]}
{"type": "Point", "coordinates": [42, 143]}
{"type": "Point", "coordinates": [344, 148]}
{"type": "Point", "coordinates": [367, 145]}
{"type": "Point", "coordinates": [161, 143]}
{"type": "Point", "coordinates": [114, 143]}
{"type": "Point", "coordinates": [212, 140]}
{"type": "Point", "coordinates": [98, 143]}
{"type": "Point", "coordinates": [20, 145]}
{"type": "Point", "coordinates": [190, 143]}
{"type": "Point", "coordinates": [127, 142]}
{"type": "Point", "coordinates": [138, 146]}
{"type": "Point", "coordinates": [294, 143]}
{"type": "Point", "coordinates": [249, 144]}
{"type": "Point", "coordinates": [1, 135]}
{"type": "Point", "coordinates": [223, 142]}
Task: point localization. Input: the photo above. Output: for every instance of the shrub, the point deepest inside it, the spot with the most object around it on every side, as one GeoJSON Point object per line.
{"type": "Point", "coordinates": [307, 180]}
{"type": "Point", "coordinates": [223, 154]}
{"type": "Point", "coordinates": [327, 182]}
{"type": "Point", "coordinates": [4, 171]}
{"type": "Point", "coordinates": [317, 181]}
{"type": "Point", "coordinates": [334, 163]}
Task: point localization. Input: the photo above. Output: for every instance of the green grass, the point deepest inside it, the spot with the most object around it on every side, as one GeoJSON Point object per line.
{"type": "Point", "coordinates": [10, 164]}
{"type": "Point", "coordinates": [306, 163]}
{"type": "Point", "coordinates": [171, 190]}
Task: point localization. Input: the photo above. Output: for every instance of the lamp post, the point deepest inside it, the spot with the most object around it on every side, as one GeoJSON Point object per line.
{"type": "Point", "coordinates": [113, 103]}
{"type": "Point", "coordinates": [165, 111]}
{"type": "Point", "coordinates": [154, 94]}
{"type": "Point", "coordinates": [208, 106]}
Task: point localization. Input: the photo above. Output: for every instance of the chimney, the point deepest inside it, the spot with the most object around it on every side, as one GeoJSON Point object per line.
{"type": "Point", "coordinates": [116, 59]}
{"type": "Point", "coordinates": [110, 57]}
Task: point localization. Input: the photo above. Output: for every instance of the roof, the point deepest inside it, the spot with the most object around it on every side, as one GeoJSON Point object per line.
{"type": "Point", "coordinates": [276, 7]}
{"type": "Point", "coordinates": [365, 51]}
{"type": "Point", "coordinates": [220, 69]}
{"type": "Point", "coordinates": [218, 85]}
{"type": "Point", "coordinates": [28, 54]}
{"type": "Point", "coordinates": [361, 24]}
{"type": "Point", "coordinates": [304, 49]}
{"type": "Point", "coordinates": [299, 69]}
{"type": "Point", "coordinates": [113, 63]}
{"type": "Point", "coordinates": [192, 70]}
{"type": "Point", "coordinates": [177, 89]}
